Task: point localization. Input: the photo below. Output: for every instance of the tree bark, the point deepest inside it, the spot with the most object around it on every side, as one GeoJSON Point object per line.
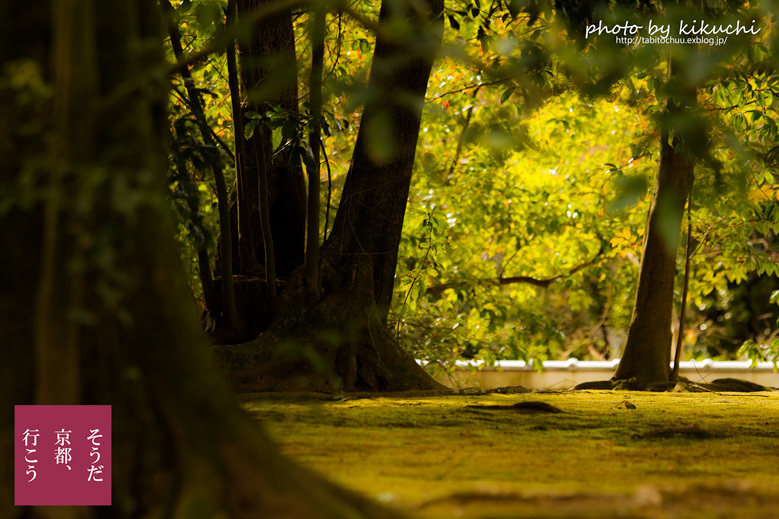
{"type": "Point", "coordinates": [360, 255]}
{"type": "Point", "coordinates": [318, 31]}
{"type": "Point", "coordinates": [369, 221]}
{"type": "Point", "coordinates": [647, 352]}
{"type": "Point", "coordinates": [181, 443]}
{"type": "Point", "coordinates": [269, 76]}
{"type": "Point", "coordinates": [247, 256]}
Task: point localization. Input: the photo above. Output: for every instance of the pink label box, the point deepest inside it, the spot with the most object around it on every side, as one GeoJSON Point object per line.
{"type": "Point", "coordinates": [62, 455]}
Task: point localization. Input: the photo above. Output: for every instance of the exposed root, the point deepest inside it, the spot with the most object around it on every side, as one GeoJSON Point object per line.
{"type": "Point", "coordinates": [310, 353]}
{"type": "Point", "coordinates": [730, 385]}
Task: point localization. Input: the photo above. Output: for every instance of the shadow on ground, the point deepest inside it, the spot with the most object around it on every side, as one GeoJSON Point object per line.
{"type": "Point", "coordinates": [576, 454]}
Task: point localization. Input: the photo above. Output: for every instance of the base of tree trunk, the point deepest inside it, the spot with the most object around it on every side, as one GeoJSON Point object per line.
{"type": "Point", "coordinates": [732, 385]}
{"type": "Point", "coordinates": [309, 353]}
{"type": "Point", "coordinates": [336, 343]}
{"type": "Point", "coordinates": [334, 340]}
{"type": "Point", "coordinates": [250, 299]}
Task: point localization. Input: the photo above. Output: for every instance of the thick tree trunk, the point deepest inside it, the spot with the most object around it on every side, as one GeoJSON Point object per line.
{"type": "Point", "coordinates": [341, 335]}
{"type": "Point", "coordinates": [648, 347]}
{"type": "Point", "coordinates": [337, 343]}
{"type": "Point", "coordinates": [181, 444]}
{"type": "Point", "coordinates": [373, 204]}
{"type": "Point", "coordinates": [360, 255]}
{"type": "Point", "coordinates": [24, 41]}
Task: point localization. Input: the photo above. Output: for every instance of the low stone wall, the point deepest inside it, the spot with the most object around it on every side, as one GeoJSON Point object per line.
{"type": "Point", "coordinates": [560, 375]}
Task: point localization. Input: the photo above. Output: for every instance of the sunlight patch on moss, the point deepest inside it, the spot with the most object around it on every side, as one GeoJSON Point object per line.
{"type": "Point", "coordinates": [415, 451]}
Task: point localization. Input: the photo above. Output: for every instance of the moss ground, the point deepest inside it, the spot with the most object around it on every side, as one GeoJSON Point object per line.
{"type": "Point", "coordinates": [674, 455]}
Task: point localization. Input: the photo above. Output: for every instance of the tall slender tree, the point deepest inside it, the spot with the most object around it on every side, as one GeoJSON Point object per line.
{"type": "Point", "coordinates": [647, 352]}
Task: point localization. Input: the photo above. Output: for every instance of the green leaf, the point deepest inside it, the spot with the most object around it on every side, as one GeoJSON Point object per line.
{"type": "Point", "coordinates": [506, 94]}
{"type": "Point", "coordinates": [294, 157]}
{"type": "Point", "coordinates": [755, 115]}
{"type": "Point", "coordinates": [276, 138]}
{"type": "Point", "coordinates": [307, 154]}
{"type": "Point", "coordinates": [248, 130]}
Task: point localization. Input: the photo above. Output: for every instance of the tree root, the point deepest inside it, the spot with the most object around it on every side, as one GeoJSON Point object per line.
{"type": "Point", "coordinates": [730, 385]}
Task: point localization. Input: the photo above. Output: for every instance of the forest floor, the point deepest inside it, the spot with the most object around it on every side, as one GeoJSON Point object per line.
{"type": "Point", "coordinates": [607, 454]}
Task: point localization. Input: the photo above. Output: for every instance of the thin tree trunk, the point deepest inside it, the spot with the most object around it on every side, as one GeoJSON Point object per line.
{"type": "Point", "coordinates": [267, 232]}
{"type": "Point", "coordinates": [463, 135]}
{"type": "Point", "coordinates": [233, 322]}
{"type": "Point", "coordinates": [203, 259]}
{"type": "Point", "coordinates": [683, 303]}
{"type": "Point", "coordinates": [311, 265]}
{"type": "Point", "coordinates": [247, 259]}
{"type": "Point", "coordinates": [647, 352]}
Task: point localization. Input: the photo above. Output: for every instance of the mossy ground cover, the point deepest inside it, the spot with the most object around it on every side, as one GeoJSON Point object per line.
{"type": "Point", "coordinates": [607, 454]}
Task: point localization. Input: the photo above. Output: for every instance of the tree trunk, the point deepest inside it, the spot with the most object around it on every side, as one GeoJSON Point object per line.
{"type": "Point", "coordinates": [318, 31]}
{"type": "Point", "coordinates": [269, 200]}
{"type": "Point", "coordinates": [247, 257]}
{"type": "Point", "coordinates": [181, 443]}
{"type": "Point", "coordinates": [369, 221]}
{"type": "Point", "coordinates": [269, 76]}
{"type": "Point", "coordinates": [195, 217]}
{"type": "Point", "coordinates": [233, 323]}
{"type": "Point", "coordinates": [342, 341]}
{"type": "Point", "coordinates": [360, 255]}
{"type": "Point", "coordinates": [648, 346]}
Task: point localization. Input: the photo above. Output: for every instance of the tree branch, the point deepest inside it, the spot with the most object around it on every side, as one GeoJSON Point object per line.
{"type": "Point", "coordinates": [529, 280]}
